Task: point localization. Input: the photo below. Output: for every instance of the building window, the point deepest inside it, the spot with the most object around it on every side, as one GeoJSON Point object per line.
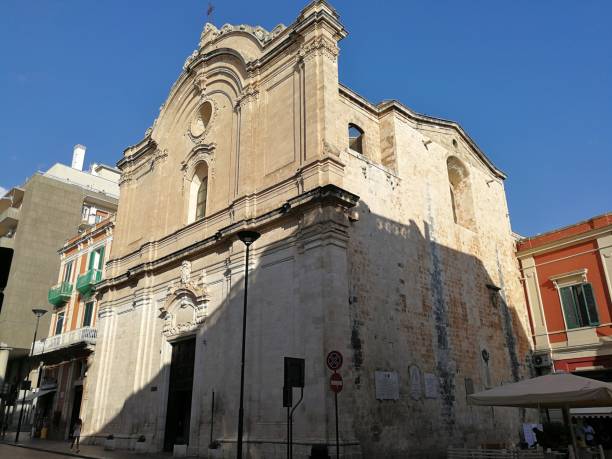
{"type": "Point", "coordinates": [198, 193]}
{"type": "Point", "coordinates": [201, 199]}
{"type": "Point", "coordinates": [96, 259]}
{"type": "Point", "coordinates": [67, 271]}
{"type": "Point", "coordinates": [59, 324]}
{"type": "Point", "coordinates": [460, 193]}
{"type": "Point", "coordinates": [88, 315]}
{"type": "Point", "coordinates": [579, 307]}
{"type": "Point", "coordinates": [355, 135]}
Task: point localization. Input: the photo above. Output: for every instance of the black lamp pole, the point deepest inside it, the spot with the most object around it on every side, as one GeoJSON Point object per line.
{"type": "Point", "coordinates": [247, 237]}
{"type": "Point", "coordinates": [38, 313]}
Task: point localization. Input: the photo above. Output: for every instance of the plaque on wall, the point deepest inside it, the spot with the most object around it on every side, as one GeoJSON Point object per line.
{"type": "Point", "coordinates": [416, 386]}
{"type": "Point", "coordinates": [387, 385]}
{"type": "Point", "coordinates": [431, 385]}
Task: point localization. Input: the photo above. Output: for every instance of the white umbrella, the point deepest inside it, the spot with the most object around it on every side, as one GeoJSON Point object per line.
{"type": "Point", "coordinates": [557, 390]}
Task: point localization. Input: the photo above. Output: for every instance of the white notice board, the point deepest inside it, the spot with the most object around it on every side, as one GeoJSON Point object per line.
{"type": "Point", "coordinates": [387, 385]}
{"type": "Point", "coordinates": [431, 385]}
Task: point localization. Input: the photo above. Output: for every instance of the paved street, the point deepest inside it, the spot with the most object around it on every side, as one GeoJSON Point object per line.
{"type": "Point", "coordinates": [37, 448]}
{"type": "Point", "coordinates": [13, 452]}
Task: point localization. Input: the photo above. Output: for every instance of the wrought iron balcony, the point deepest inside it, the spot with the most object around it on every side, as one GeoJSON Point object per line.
{"type": "Point", "coordinates": [80, 336]}
{"type": "Point", "coordinates": [60, 293]}
{"type": "Point", "coordinates": [87, 280]}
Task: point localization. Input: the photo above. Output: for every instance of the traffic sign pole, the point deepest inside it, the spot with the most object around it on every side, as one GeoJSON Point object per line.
{"type": "Point", "coordinates": [334, 362]}
{"type": "Point", "coordinates": [337, 438]}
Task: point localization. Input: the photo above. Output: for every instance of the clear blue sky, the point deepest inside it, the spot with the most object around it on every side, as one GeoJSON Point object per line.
{"type": "Point", "coordinates": [531, 81]}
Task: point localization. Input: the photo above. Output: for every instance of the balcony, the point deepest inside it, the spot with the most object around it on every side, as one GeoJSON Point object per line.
{"type": "Point", "coordinates": [81, 337]}
{"type": "Point", "coordinates": [60, 293]}
{"type": "Point", "coordinates": [8, 220]}
{"type": "Point", "coordinates": [7, 242]}
{"type": "Point", "coordinates": [86, 281]}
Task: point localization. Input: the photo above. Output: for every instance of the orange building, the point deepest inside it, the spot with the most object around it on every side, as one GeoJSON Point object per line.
{"type": "Point", "coordinates": [67, 351]}
{"type": "Point", "coordinates": [566, 274]}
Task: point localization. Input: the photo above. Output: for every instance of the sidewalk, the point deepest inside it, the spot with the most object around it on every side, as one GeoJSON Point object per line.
{"type": "Point", "coordinates": [86, 451]}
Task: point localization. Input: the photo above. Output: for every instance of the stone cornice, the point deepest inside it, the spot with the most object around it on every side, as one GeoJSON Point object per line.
{"type": "Point", "coordinates": [132, 153]}
{"type": "Point", "coordinates": [108, 224]}
{"type": "Point", "coordinates": [565, 233]}
{"type": "Point", "coordinates": [323, 195]}
{"type": "Point", "coordinates": [320, 12]}
{"type": "Point", "coordinates": [565, 242]}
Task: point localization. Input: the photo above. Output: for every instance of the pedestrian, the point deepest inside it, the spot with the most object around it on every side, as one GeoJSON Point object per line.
{"type": "Point", "coordinates": [76, 434]}
{"type": "Point", "coordinates": [589, 433]}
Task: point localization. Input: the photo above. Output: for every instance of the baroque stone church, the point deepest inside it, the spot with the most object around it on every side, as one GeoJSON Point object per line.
{"type": "Point", "coordinates": [384, 235]}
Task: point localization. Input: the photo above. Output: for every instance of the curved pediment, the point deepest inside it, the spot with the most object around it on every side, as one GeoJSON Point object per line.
{"type": "Point", "coordinates": [248, 40]}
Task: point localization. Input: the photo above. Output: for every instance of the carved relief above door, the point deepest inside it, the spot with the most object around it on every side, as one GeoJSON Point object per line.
{"type": "Point", "coordinates": [184, 307]}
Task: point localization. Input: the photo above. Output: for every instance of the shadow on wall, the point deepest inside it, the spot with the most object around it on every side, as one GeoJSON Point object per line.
{"type": "Point", "coordinates": [435, 316]}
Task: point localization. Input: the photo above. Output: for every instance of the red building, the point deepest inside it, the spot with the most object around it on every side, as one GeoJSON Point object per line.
{"type": "Point", "coordinates": [566, 274]}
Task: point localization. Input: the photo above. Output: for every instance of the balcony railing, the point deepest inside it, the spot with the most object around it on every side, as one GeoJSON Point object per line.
{"type": "Point", "coordinates": [60, 293]}
{"type": "Point", "coordinates": [85, 335]}
{"type": "Point", "coordinates": [87, 280]}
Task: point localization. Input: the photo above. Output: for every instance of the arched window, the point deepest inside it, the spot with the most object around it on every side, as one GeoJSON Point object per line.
{"type": "Point", "coordinates": [460, 193]}
{"type": "Point", "coordinates": [201, 199]}
{"type": "Point", "coordinates": [355, 135]}
{"type": "Point", "coordinates": [198, 193]}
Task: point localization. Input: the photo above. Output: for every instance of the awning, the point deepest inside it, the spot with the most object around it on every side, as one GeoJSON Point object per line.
{"type": "Point", "coordinates": [600, 412]}
{"type": "Point", "coordinates": [39, 393]}
{"type": "Point", "coordinates": [558, 390]}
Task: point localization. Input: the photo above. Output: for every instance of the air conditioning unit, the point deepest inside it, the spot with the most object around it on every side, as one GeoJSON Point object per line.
{"type": "Point", "coordinates": [541, 360]}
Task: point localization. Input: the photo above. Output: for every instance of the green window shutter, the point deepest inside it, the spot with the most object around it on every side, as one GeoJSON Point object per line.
{"type": "Point", "coordinates": [569, 308]}
{"type": "Point", "coordinates": [92, 257]}
{"type": "Point", "coordinates": [88, 314]}
{"type": "Point", "coordinates": [591, 306]}
{"type": "Point", "coordinates": [101, 260]}
{"type": "Point", "coordinates": [68, 272]}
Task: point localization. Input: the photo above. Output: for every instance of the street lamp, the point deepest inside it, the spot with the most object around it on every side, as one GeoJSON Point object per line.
{"type": "Point", "coordinates": [248, 238]}
{"type": "Point", "coordinates": [38, 313]}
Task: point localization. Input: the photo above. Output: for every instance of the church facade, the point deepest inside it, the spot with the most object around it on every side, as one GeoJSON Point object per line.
{"type": "Point", "coordinates": [384, 236]}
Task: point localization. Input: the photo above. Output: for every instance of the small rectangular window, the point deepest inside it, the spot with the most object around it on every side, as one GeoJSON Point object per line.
{"type": "Point", "coordinates": [59, 324]}
{"type": "Point", "coordinates": [88, 316]}
{"type": "Point", "coordinates": [579, 307]}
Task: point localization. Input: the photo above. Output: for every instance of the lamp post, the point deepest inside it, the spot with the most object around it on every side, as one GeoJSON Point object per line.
{"type": "Point", "coordinates": [38, 313]}
{"type": "Point", "coordinates": [248, 238]}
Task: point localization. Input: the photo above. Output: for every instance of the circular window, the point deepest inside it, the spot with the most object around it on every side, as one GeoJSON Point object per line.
{"type": "Point", "coordinates": [200, 122]}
